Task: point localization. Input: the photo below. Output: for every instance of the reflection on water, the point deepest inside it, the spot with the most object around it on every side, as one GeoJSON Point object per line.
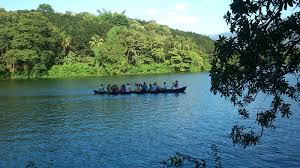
{"type": "Point", "coordinates": [60, 123]}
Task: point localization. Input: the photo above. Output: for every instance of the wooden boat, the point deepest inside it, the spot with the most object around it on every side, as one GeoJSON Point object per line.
{"type": "Point", "coordinates": [179, 90]}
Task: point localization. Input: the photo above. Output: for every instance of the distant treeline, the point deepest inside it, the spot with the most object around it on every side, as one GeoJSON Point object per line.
{"type": "Point", "coordinates": [43, 43]}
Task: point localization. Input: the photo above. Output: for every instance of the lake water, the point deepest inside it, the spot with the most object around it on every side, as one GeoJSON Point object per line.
{"type": "Point", "coordinates": [60, 123]}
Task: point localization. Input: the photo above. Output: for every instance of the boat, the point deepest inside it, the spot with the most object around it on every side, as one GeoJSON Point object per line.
{"type": "Point", "coordinates": [179, 90]}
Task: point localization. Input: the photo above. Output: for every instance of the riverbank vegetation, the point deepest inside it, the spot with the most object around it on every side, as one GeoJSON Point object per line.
{"type": "Point", "coordinates": [44, 43]}
{"type": "Point", "coordinates": [262, 59]}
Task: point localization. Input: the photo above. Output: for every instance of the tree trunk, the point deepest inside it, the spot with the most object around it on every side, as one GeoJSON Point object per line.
{"type": "Point", "coordinates": [13, 66]}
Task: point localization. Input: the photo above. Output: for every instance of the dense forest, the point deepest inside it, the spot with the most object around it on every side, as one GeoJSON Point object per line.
{"type": "Point", "coordinates": [42, 43]}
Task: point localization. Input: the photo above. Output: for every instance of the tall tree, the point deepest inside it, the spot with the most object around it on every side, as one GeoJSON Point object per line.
{"type": "Point", "coordinates": [45, 8]}
{"type": "Point", "coordinates": [65, 43]}
{"type": "Point", "coordinates": [96, 41]}
{"type": "Point", "coordinates": [258, 60]}
{"type": "Point", "coordinates": [95, 44]}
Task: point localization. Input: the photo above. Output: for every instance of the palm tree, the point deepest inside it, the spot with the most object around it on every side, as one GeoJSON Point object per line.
{"type": "Point", "coordinates": [96, 41]}
{"type": "Point", "coordinates": [66, 40]}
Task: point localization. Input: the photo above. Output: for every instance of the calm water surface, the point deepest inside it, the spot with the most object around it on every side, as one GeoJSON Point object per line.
{"type": "Point", "coordinates": [59, 123]}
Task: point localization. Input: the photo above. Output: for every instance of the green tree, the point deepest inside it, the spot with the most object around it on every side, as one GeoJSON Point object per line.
{"type": "Point", "coordinates": [120, 19]}
{"type": "Point", "coordinates": [96, 41]}
{"type": "Point", "coordinates": [95, 44]}
{"type": "Point", "coordinates": [3, 71]}
{"type": "Point", "coordinates": [134, 24]}
{"type": "Point", "coordinates": [22, 60]}
{"type": "Point", "coordinates": [132, 40]}
{"type": "Point", "coordinates": [65, 43]}
{"type": "Point", "coordinates": [33, 41]}
{"type": "Point", "coordinates": [117, 19]}
{"type": "Point", "coordinates": [71, 58]}
{"type": "Point", "coordinates": [155, 44]}
{"type": "Point", "coordinates": [181, 60]}
{"type": "Point", "coordinates": [45, 8]}
{"type": "Point", "coordinates": [152, 26]}
{"type": "Point", "coordinates": [258, 60]}
{"type": "Point", "coordinates": [29, 38]}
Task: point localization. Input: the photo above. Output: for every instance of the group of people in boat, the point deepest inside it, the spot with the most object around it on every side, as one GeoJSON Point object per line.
{"type": "Point", "coordinates": [139, 87]}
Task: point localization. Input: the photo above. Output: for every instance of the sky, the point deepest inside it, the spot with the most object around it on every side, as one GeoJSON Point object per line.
{"type": "Point", "coordinates": [200, 16]}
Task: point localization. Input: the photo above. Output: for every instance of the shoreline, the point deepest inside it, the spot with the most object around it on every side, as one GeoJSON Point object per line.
{"type": "Point", "coordinates": [105, 75]}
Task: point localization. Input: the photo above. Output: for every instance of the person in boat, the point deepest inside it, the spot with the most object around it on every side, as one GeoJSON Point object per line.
{"type": "Point", "coordinates": [175, 85]}
{"type": "Point", "coordinates": [123, 89]}
{"type": "Point", "coordinates": [155, 87]}
{"type": "Point", "coordinates": [165, 87]}
{"type": "Point", "coordinates": [128, 89]}
{"type": "Point", "coordinates": [101, 89]}
{"type": "Point", "coordinates": [108, 89]}
{"type": "Point", "coordinates": [144, 87]}
{"type": "Point", "coordinates": [139, 87]}
{"type": "Point", "coordinates": [115, 89]}
{"type": "Point", "coordinates": [150, 87]}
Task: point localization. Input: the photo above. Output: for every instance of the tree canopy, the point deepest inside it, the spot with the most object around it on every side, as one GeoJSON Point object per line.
{"type": "Point", "coordinates": [45, 43]}
{"type": "Point", "coordinates": [260, 59]}
{"type": "Point", "coordinates": [45, 8]}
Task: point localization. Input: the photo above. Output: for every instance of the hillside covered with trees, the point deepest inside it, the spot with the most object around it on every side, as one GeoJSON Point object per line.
{"type": "Point", "coordinates": [43, 43]}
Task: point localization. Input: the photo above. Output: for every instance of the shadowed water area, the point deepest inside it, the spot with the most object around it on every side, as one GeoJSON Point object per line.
{"type": "Point", "coordinates": [60, 123]}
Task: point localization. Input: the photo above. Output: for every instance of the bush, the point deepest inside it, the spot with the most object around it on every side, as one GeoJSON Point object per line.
{"type": "Point", "coordinates": [74, 70]}
{"type": "Point", "coordinates": [3, 72]}
{"type": "Point", "coordinates": [150, 68]}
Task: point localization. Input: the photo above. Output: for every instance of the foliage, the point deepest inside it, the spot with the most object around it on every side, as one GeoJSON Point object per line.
{"type": "Point", "coordinates": [39, 42]}
{"type": "Point", "coordinates": [215, 153]}
{"type": "Point", "coordinates": [73, 70]}
{"type": "Point", "coordinates": [3, 72]}
{"type": "Point", "coordinates": [183, 160]}
{"type": "Point", "coordinates": [31, 43]}
{"type": "Point", "coordinates": [258, 60]}
{"type": "Point", "coordinates": [153, 68]}
{"type": "Point", "coordinates": [202, 43]}
{"type": "Point", "coordinates": [65, 42]}
{"type": "Point", "coordinates": [96, 41]}
{"type": "Point", "coordinates": [45, 8]}
{"type": "Point", "coordinates": [179, 160]}
{"type": "Point", "coordinates": [71, 58]}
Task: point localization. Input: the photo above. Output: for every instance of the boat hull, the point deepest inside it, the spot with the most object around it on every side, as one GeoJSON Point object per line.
{"type": "Point", "coordinates": [179, 90]}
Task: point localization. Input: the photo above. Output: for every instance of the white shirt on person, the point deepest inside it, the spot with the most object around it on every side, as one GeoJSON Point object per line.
{"type": "Point", "coordinates": [128, 89]}
{"type": "Point", "coordinates": [165, 86]}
